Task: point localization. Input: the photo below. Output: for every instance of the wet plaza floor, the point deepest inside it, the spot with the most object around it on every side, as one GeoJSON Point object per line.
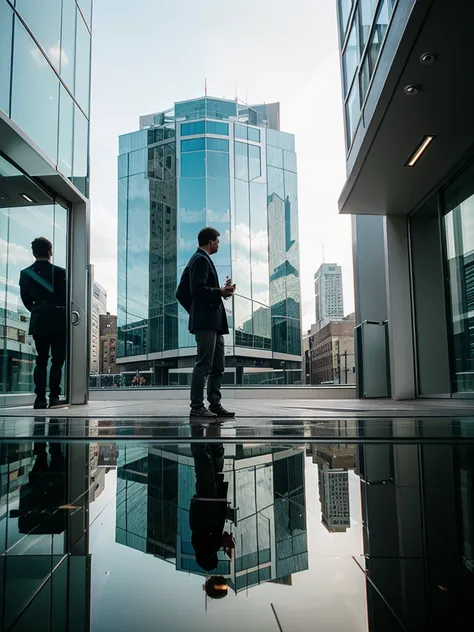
{"type": "Point", "coordinates": [347, 525]}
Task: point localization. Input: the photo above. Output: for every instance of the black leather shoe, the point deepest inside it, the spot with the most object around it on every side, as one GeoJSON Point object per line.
{"type": "Point", "coordinates": [220, 411]}
{"type": "Point", "coordinates": [54, 401]}
{"type": "Point", "coordinates": [40, 402]}
{"type": "Point", "coordinates": [202, 412]}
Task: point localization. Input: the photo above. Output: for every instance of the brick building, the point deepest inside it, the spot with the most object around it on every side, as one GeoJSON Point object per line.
{"type": "Point", "coordinates": [331, 352]}
{"type": "Point", "coordinates": [107, 343]}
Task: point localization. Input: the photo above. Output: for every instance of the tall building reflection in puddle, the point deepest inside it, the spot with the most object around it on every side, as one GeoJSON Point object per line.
{"type": "Point", "coordinates": [266, 510]}
{"type": "Point", "coordinates": [334, 461]}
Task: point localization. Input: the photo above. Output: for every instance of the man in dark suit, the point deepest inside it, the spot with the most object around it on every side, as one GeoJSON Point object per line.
{"type": "Point", "coordinates": [43, 292]}
{"type": "Point", "coordinates": [200, 294]}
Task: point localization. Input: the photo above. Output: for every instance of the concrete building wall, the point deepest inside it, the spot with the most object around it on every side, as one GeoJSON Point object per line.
{"type": "Point", "coordinates": [370, 283]}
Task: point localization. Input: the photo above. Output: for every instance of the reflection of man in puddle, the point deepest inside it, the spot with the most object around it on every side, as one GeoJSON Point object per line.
{"type": "Point", "coordinates": [208, 509]}
{"type": "Point", "coordinates": [43, 497]}
{"type": "Point", "coordinates": [43, 292]}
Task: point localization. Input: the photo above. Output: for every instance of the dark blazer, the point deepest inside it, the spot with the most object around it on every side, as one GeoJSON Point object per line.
{"type": "Point", "coordinates": [206, 312]}
{"type": "Point", "coordinates": [43, 292]}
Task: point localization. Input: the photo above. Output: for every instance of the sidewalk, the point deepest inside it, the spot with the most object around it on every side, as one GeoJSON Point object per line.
{"type": "Point", "coordinates": [253, 408]}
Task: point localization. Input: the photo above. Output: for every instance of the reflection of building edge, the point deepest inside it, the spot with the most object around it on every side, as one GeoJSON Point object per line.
{"type": "Point", "coordinates": [56, 587]}
{"type": "Point", "coordinates": [417, 508]}
{"type": "Point", "coordinates": [267, 490]}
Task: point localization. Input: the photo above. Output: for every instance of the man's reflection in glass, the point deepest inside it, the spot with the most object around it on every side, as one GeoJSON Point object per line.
{"type": "Point", "coordinates": [208, 509]}
{"type": "Point", "coordinates": [43, 496]}
{"type": "Point", "coordinates": [43, 292]}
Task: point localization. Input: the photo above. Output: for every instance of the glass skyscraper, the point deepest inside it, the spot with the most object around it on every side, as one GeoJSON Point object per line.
{"type": "Point", "coordinates": [209, 162]}
{"type": "Point", "coordinates": [45, 57]}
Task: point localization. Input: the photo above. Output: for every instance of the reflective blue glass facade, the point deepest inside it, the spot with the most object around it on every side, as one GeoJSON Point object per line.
{"type": "Point", "coordinates": [204, 164]}
{"type": "Point", "coordinates": [362, 26]}
{"type": "Point", "coordinates": [45, 56]}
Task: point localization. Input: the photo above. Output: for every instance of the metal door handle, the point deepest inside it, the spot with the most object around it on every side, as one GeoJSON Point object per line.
{"type": "Point", "coordinates": [75, 317]}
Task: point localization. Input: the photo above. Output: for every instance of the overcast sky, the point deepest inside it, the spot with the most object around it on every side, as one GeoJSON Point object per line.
{"type": "Point", "coordinates": [147, 54]}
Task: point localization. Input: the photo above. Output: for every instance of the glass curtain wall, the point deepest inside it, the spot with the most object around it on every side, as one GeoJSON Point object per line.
{"type": "Point", "coordinates": [147, 315]}
{"type": "Point", "coordinates": [282, 204]}
{"type": "Point", "coordinates": [45, 51]}
{"type": "Point", "coordinates": [458, 223]}
{"type": "Point", "coordinates": [163, 311]}
{"type": "Point", "coordinates": [250, 240]}
{"type": "Point", "coordinates": [204, 197]}
{"type": "Point", "coordinates": [442, 259]}
{"type": "Point", "coordinates": [362, 38]}
{"type": "Point", "coordinates": [133, 245]}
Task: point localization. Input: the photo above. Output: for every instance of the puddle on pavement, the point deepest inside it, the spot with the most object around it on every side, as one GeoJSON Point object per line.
{"type": "Point", "coordinates": [205, 536]}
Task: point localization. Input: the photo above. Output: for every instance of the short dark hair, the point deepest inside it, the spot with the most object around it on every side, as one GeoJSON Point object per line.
{"type": "Point", "coordinates": [210, 587]}
{"type": "Point", "coordinates": [206, 235]}
{"type": "Point", "coordinates": [41, 247]}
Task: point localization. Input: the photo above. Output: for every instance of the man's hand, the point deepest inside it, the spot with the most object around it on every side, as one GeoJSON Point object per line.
{"type": "Point", "coordinates": [228, 543]}
{"type": "Point", "coordinates": [227, 290]}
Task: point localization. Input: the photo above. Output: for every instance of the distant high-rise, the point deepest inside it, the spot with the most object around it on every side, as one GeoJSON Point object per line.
{"type": "Point", "coordinates": [328, 294]}
{"type": "Point", "coordinates": [334, 497]}
{"type": "Point", "coordinates": [107, 343]}
{"type": "Point", "coordinates": [99, 306]}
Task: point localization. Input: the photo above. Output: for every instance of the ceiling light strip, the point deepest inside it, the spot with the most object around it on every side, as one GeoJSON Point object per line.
{"type": "Point", "coordinates": [419, 151]}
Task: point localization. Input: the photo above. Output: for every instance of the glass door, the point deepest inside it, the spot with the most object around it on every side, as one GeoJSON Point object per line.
{"type": "Point", "coordinates": [33, 292]}
{"type": "Point", "coordinates": [459, 270]}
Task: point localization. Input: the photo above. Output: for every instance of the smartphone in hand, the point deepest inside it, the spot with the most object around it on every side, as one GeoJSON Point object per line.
{"type": "Point", "coordinates": [229, 284]}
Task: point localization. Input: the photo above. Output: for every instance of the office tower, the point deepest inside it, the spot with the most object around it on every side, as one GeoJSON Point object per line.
{"type": "Point", "coordinates": [98, 306]}
{"type": "Point", "coordinates": [44, 174]}
{"type": "Point", "coordinates": [209, 162]}
{"type": "Point", "coordinates": [328, 294]}
{"type": "Point", "coordinates": [410, 188]}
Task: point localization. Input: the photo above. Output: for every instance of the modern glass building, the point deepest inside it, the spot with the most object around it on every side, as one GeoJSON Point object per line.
{"type": "Point", "coordinates": [45, 50]}
{"type": "Point", "coordinates": [209, 162]}
{"type": "Point", "coordinates": [410, 189]}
